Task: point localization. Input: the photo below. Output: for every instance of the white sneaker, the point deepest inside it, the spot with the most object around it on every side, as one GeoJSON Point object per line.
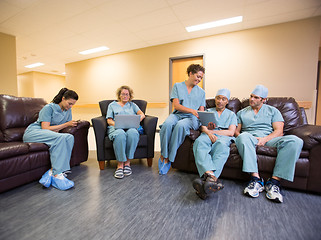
{"type": "Point", "coordinates": [254, 187]}
{"type": "Point", "coordinates": [273, 192]}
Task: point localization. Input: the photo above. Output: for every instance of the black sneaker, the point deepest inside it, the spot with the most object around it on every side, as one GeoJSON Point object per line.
{"type": "Point", "coordinates": [212, 184]}
{"type": "Point", "coordinates": [198, 185]}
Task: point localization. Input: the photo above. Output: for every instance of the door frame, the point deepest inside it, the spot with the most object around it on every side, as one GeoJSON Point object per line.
{"type": "Point", "coordinates": [202, 55]}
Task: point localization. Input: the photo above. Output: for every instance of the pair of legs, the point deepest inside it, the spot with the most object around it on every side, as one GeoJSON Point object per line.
{"type": "Point", "coordinates": [172, 134]}
{"type": "Point", "coordinates": [210, 159]}
{"type": "Point", "coordinates": [288, 147]}
{"type": "Point", "coordinates": [60, 148]}
{"type": "Point", "coordinates": [124, 143]}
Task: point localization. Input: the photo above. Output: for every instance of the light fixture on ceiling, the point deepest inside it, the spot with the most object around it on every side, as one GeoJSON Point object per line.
{"type": "Point", "coordinates": [217, 23]}
{"type": "Point", "coordinates": [38, 64]}
{"type": "Point", "coordinates": [94, 50]}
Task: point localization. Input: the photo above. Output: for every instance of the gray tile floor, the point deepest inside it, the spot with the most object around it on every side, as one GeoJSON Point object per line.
{"type": "Point", "coordinates": [148, 206]}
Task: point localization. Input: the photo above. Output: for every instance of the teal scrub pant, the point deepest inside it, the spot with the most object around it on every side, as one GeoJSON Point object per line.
{"type": "Point", "coordinates": [124, 143]}
{"type": "Point", "coordinates": [288, 147]}
{"type": "Point", "coordinates": [211, 156]}
{"type": "Point", "coordinates": [173, 132]}
{"type": "Point", "coordinates": [60, 146]}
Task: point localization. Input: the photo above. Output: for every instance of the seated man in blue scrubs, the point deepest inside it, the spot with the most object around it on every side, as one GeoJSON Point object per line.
{"type": "Point", "coordinates": [212, 148]}
{"type": "Point", "coordinates": [260, 124]}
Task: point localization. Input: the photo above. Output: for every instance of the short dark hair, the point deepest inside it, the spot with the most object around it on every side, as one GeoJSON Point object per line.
{"type": "Point", "coordinates": [66, 93]}
{"type": "Point", "coordinates": [195, 68]}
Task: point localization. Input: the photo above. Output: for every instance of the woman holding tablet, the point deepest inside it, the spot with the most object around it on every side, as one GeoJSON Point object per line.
{"type": "Point", "coordinates": [124, 140]}
{"type": "Point", "coordinates": [187, 99]}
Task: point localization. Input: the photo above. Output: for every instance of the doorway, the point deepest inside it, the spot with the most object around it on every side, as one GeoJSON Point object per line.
{"type": "Point", "coordinates": [177, 71]}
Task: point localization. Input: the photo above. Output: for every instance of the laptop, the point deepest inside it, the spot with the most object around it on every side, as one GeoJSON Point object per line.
{"type": "Point", "coordinates": [127, 121]}
{"type": "Point", "coordinates": [206, 117]}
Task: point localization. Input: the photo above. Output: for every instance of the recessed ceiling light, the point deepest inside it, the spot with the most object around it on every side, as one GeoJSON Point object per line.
{"type": "Point", "coordinates": [94, 50]}
{"type": "Point", "coordinates": [35, 65]}
{"type": "Point", "coordinates": [217, 23]}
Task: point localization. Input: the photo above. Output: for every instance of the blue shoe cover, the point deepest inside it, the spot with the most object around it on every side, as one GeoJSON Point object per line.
{"type": "Point", "coordinates": [62, 183]}
{"type": "Point", "coordinates": [46, 179]}
{"type": "Point", "coordinates": [160, 164]}
{"type": "Point", "coordinates": [164, 170]}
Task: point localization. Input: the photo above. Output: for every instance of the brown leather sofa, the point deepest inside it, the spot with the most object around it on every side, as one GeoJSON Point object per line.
{"type": "Point", "coordinates": [20, 162]}
{"type": "Point", "coordinates": [308, 167]}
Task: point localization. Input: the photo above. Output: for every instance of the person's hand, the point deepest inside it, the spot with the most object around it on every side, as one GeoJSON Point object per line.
{"type": "Point", "coordinates": [212, 137]}
{"type": "Point", "coordinates": [261, 141]}
{"type": "Point", "coordinates": [72, 123]}
{"type": "Point", "coordinates": [211, 126]}
{"type": "Point", "coordinates": [194, 112]}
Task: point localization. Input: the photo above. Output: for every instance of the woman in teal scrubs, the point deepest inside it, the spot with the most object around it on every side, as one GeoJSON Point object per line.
{"type": "Point", "coordinates": [52, 118]}
{"type": "Point", "coordinates": [187, 99]}
{"type": "Point", "coordinates": [124, 140]}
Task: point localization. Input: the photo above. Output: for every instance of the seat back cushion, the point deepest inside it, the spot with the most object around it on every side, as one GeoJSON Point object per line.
{"type": "Point", "coordinates": [289, 109]}
{"type": "Point", "coordinates": [16, 113]}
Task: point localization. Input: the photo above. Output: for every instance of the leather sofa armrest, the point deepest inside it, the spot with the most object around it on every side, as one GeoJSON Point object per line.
{"type": "Point", "coordinates": [149, 125]}
{"type": "Point", "coordinates": [81, 124]}
{"type": "Point", "coordinates": [310, 134]}
{"type": "Point", "coordinates": [194, 134]}
{"type": "Point", "coordinates": [100, 130]}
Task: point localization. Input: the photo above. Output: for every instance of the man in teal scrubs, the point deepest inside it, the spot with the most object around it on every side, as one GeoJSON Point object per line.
{"type": "Point", "coordinates": [212, 148]}
{"type": "Point", "coordinates": [261, 124]}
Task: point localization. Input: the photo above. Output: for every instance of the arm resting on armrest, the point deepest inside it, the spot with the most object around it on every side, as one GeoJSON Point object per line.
{"type": "Point", "coordinates": [310, 134]}
{"type": "Point", "coordinates": [72, 130]}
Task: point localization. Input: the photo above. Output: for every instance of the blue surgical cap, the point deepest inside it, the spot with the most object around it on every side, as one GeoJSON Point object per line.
{"type": "Point", "coordinates": [260, 91]}
{"type": "Point", "coordinates": [224, 92]}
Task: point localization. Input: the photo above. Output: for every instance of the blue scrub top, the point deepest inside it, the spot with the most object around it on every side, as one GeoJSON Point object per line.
{"type": "Point", "coordinates": [224, 121]}
{"type": "Point", "coordinates": [194, 100]}
{"type": "Point", "coordinates": [52, 113]}
{"type": "Point", "coordinates": [130, 108]}
{"type": "Point", "coordinates": [260, 124]}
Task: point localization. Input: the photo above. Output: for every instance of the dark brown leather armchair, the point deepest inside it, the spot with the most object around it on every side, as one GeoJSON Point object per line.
{"type": "Point", "coordinates": [308, 167]}
{"type": "Point", "coordinates": [20, 162]}
{"type": "Point", "coordinates": [105, 151]}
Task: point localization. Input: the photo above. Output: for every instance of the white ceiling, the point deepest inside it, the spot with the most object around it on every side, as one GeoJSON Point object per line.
{"type": "Point", "coordinates": [54, 31]}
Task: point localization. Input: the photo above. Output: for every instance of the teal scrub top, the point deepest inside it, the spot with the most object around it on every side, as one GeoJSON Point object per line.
{"type": "Point", "coordinates": [52, 113]}
{"type": "Point", "coordinates": [260, 124]}
{"type": "Point", "coordinates": [114, 108]}
{"type": "Point", "coordinates": [224, 121]}
{"type": "Point", "coordinates": [194, 100]}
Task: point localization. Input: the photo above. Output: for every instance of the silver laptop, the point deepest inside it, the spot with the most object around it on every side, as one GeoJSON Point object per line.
{"type": "Point", "coordinates": [206, 117]}
{"type": "Point", "coordinates": [127, 121]}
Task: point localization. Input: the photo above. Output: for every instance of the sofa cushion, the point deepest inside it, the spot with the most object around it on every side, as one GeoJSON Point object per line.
{"type": "Point", "coordinates": [16, 113]}
{"type": "Point", "coordinates": [37, 147]}
{"type": "Point", "coordinates": [11, 149]}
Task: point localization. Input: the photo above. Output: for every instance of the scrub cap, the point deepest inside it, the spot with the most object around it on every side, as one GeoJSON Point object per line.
{"type": "Point", "coordinates": [224, 92]}
{"type": "Point", "coordinates": [260, 91]}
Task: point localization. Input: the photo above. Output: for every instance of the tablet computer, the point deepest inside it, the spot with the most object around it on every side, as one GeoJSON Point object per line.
{"type": "Point", "coordinates": [206, 117]}
{"type": "Point", "coordinates": [127, 121]}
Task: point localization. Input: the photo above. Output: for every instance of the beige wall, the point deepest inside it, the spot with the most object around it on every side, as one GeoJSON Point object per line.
{"type": "Point", "coordinates": [8, 65]}
{"type": "Point", "coordinates": [42, 85]}
{"type": "Point", "coordinates": [283, 57]}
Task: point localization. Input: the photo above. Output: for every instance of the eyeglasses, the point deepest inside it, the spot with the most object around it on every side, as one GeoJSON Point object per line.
{"type": "Point", "coordinates": [124, 94]}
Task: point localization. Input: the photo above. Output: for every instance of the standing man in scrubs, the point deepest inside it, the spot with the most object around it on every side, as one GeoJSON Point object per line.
{"type": "Point", "coordinates": [52, 118]}
{"type": "Point", "coordinates": [187, 99]}
{"type": "Point", "coordinates": [212, 148]}
{"type": "Point", "coordinates": [260, 124]}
